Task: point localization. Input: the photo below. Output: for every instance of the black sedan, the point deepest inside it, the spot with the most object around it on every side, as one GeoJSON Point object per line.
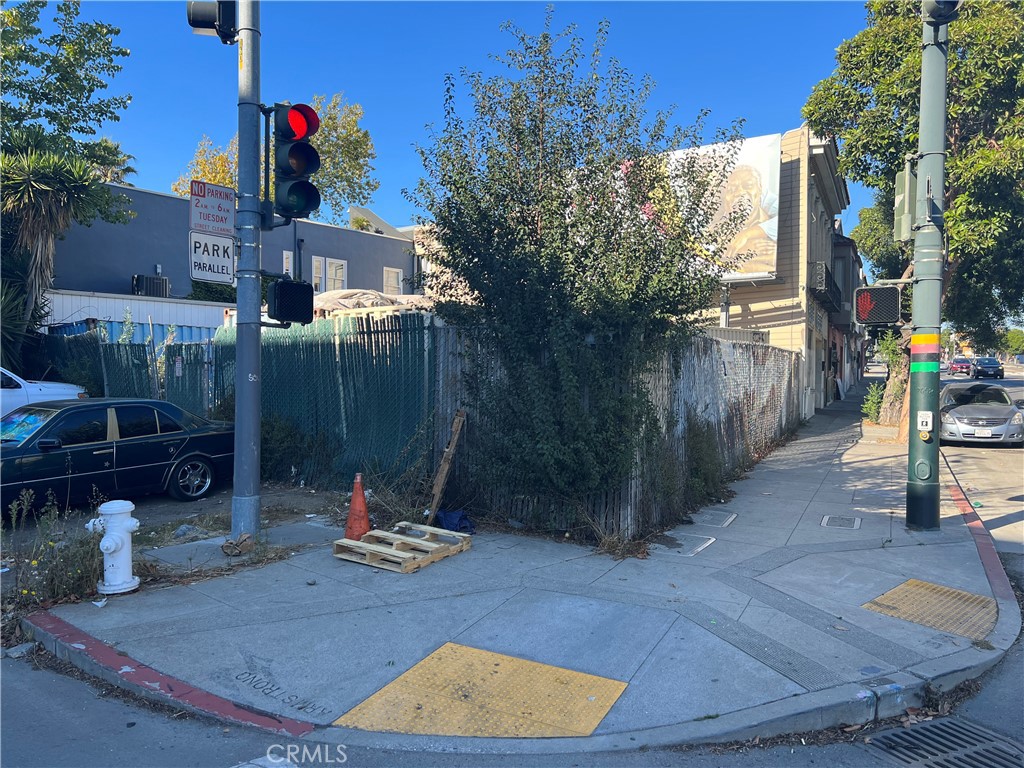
{"type": "Point", "coordinates": [114, 448]}
{"type": "Point", "coordinates": [980, 413]}
{"type": "Point", "coordinates": [986, 366]}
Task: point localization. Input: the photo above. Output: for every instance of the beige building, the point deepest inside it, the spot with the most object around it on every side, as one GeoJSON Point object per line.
{"type": "Point", "coordinates": [802, 294]}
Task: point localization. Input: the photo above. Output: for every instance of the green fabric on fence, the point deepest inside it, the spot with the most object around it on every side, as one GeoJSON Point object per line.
{"type": "Point", "coordinates": [186, 378]}
{"type": "Point", "coordinates": [340, 396]}
{"type": "Point", "coordinates": [129, 370]}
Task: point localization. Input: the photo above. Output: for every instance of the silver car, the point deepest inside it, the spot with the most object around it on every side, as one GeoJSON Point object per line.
{"type": "Point", "coordinates": [981, 413]}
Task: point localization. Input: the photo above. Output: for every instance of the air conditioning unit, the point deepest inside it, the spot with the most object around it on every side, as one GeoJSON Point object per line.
{"type": "Point", "coordinates": [149, 285]}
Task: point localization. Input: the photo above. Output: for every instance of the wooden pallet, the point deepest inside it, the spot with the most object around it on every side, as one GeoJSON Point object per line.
{"type": "Point", "coordinates": [406, 549]}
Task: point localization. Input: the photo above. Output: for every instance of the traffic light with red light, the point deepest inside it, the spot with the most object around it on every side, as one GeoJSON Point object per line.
{"type": "Point", "coordinates": [877, 305]}
{"type": "Point", "coordinates": [295, 160]}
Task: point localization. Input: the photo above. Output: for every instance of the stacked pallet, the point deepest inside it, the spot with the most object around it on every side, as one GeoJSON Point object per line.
{"type": "Point", "coordinates": [405, 548]}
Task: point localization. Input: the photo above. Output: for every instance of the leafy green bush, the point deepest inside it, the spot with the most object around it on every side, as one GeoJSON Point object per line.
{"type": "Point", "coordinates": [872, 406]}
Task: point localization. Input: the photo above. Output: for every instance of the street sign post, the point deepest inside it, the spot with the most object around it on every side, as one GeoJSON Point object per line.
{"type": "Point", "coordinates": [211, 258]}
{"type": "Point", "coordinates": [211, 209]}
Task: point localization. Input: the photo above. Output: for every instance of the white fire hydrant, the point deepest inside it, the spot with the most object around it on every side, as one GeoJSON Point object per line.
{"type": "Point", "coordinates": [117, 525]}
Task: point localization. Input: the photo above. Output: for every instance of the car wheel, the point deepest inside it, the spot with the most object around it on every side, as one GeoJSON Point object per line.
{"type": "Point", "coordinates": [191, 479]}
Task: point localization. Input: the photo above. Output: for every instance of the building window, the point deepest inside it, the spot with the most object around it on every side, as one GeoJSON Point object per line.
{"type": "Point", "coordinates": [392, 281]}
{"type": "Point", "coordinates": [286, 264]}
{"type": "Point", "coordinates": [337, 275]}
{"type": "Point", "coordinates": [318, 274]}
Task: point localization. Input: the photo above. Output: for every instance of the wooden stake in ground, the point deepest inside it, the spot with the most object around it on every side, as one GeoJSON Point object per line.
{"type": "Point", "coordinates": [446, 464]}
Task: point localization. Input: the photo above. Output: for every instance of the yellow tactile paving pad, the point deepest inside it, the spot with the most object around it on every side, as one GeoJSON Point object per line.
{"type": "Point", "coordinates": [463, 691]}
{"type": "Point", "coordinates": [943, 608]}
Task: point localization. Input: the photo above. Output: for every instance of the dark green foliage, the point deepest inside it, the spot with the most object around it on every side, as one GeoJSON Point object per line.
{"type": "Point", "coordinates": [705, 471]}
{"type": "Point", "coordinates": [286, 451]}
{"type": "Point", "coordinates": [576, 257]}
{"type": "Point", "coordinates": [871, 103]}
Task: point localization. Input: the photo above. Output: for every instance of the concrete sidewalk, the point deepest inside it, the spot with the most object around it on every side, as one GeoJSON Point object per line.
{"type": "Point", "coordinates": [754, 621]}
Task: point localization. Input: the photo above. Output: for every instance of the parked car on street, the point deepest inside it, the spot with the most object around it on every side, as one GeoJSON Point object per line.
{"type": "Point", "coordinates": [982, 413]}
{"type": "Point", "coordinates": [943, 366]}
{"type": "Point", "coordinates": [986, 366]}
{"type": "Point", "coordinates": [959, 365]}
{"type": "Point", "coordinates": [110, 447]}
{"type": "Point", "coordinates": [16, 391]}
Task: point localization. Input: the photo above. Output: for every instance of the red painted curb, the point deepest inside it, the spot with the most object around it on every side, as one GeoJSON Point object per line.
{"type": "Point", "coordinates": [986, 547]}
{"type": "Point", "coordinates": [156, 684]}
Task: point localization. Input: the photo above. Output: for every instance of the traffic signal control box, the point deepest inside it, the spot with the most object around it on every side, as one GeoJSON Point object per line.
{"type": "Point", "coordinates": [877, 305]}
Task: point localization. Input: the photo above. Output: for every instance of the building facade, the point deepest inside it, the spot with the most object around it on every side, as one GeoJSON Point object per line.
{"type": "Point", "coordinates": [144, 265]}
{"type": "Point", "coordinates": [802, 297]}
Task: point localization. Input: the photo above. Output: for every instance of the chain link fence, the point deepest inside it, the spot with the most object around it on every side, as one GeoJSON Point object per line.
{"type": "Point", "coordinates": [341, 395]}
{"type": "Point", "coordinates": [377, 392]}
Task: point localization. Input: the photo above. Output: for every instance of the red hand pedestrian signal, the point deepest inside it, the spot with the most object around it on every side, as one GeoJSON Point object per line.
{"type": "Point", "coordinates": [877, 305]}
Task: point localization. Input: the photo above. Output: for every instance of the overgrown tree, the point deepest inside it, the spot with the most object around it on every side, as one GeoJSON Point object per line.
{"type": "Point", "coordinates": [582, 233]}
{"type": "Point", "coordinates": [871, 103]}
{"type": "Point", "coordinates": [346, 152]}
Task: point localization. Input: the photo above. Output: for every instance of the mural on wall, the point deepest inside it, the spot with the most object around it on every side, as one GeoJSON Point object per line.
{"type": "Point", "coordinates": [754, 185]}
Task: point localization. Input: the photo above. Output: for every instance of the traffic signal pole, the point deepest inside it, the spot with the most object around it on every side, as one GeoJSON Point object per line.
{"type": "Point", "coordinates": [245, 503]}
{"type": "Point", "coordinates": [923, 452]}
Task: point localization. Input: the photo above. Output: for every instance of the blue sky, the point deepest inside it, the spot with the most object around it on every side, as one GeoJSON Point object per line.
{"type": "Point", "coordinates": [752, 60]}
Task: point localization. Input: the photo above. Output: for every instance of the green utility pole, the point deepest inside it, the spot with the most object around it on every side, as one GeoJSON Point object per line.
{"type": "Point", "coordinates": [923, 454]}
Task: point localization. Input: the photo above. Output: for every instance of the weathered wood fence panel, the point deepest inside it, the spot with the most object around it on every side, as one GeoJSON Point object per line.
{"type": "Point", "coordinates": [747, 392]}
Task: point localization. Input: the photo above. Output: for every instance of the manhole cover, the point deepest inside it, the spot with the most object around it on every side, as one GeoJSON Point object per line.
{"type": "Point", "coordinates": [942, 608]}
{"type": "Point", "coordinates": [840, 521]}
{"type": "Point", "coordinates": [947, 743]}
{"type": "Point", "coordinates": [715, 517]}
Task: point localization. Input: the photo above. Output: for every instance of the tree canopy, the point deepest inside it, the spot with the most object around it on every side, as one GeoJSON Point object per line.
{"type": "Point", "coordinates": [871, 104]}
{"type": "Point", "coordinates": [52, 166]}
{"type": "Point", "coordinates": [580, 234]}
{"type": "Point", "coordinates": [346, 155]}
{"type": "Point", "coordinates": [59, 80]}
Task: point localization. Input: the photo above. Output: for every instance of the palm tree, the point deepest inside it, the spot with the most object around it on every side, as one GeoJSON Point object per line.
{"type": "Point", "coordinates": [45, 191]}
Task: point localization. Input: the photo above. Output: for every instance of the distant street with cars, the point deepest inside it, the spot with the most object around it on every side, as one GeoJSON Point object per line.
{"type": "Point", "coordinates": [995, 470]}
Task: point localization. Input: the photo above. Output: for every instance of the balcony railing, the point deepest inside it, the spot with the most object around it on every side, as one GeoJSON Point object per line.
{"type": "Point", "coordinates": [824, 287]}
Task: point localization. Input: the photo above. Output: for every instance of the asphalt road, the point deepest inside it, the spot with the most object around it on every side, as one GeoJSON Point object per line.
{"type": "Point", "coordinates": [52, 721]}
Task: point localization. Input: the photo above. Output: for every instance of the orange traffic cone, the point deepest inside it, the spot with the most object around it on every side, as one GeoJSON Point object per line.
{"type": "Point", "coordinates": [358, 520]}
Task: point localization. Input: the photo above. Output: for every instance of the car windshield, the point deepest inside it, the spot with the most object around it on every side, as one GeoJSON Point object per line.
{"type": "Point", "coordinates": [20, 423]}
{"type": "Point", "coordinates": [986, 396]}
{"type": "Point", "coordinates": [987, 361]}
{"type": "Point", "coordinates": [960, 360]}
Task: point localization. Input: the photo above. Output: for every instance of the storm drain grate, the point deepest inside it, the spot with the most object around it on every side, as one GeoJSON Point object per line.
{"type": "Point", "coordinates": [947, 743]}
{"type": "Point", "coordinates": [714, 517]}
{"type": "Point", "coordinates": [840, 521]}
